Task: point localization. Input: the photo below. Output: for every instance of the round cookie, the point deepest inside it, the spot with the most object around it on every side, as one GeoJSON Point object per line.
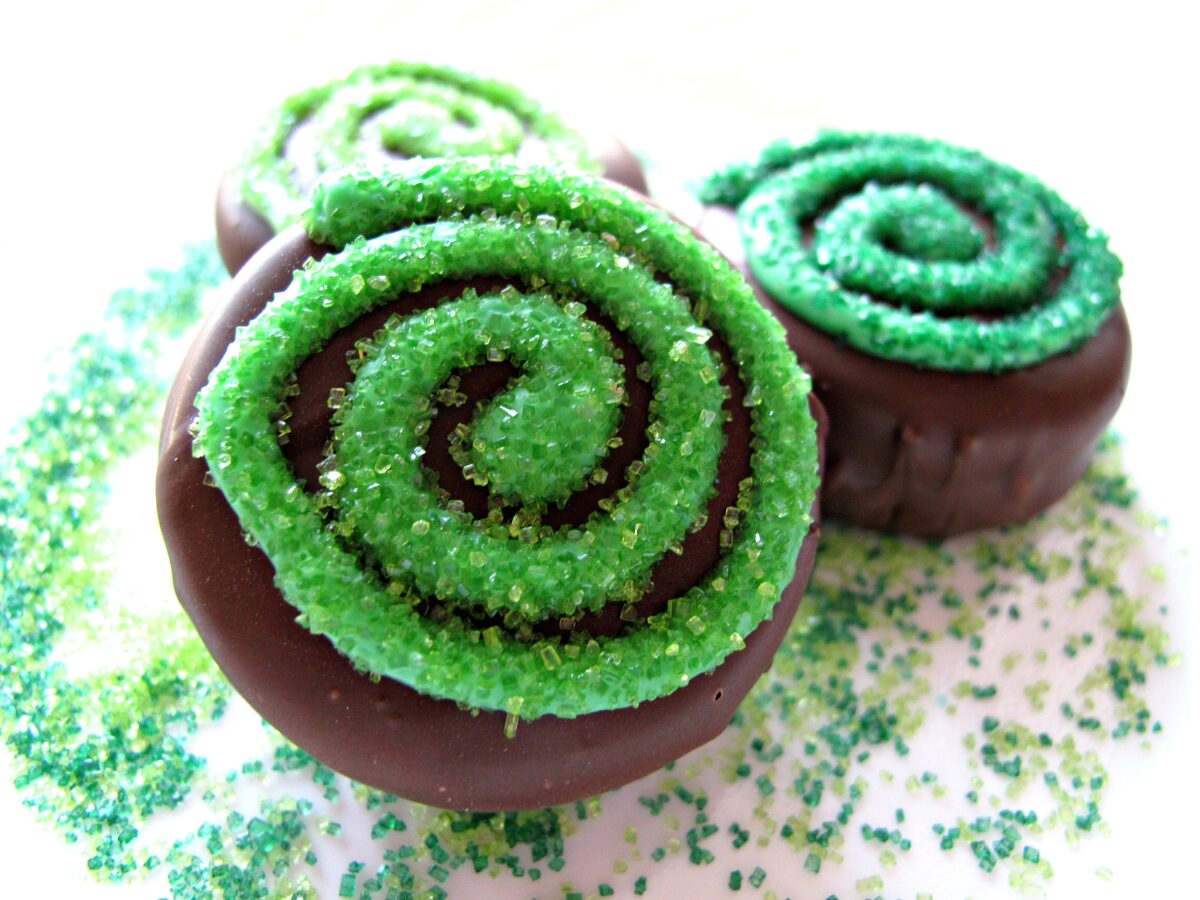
{"type": "Point", "coordinates": [962, 323]}
{"type": "Point", "coordinates": [381, 115]}
{"type": "Point", "coordinates": [437, 749]}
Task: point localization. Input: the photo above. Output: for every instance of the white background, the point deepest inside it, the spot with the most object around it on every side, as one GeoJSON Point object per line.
{"type": "Point", "coordinates": [119, 117]}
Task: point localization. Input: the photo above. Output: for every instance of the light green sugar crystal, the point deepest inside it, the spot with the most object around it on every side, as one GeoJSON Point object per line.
{"type": "Point", "coordinates": [569, 570]}
{"type": "Point", "coordinates": [569, 236]}
{"type": "Point", "coordinates": [401, 109]}
{"type": "Point", "coordinates": [567, 409]}
{"type": "Point", "coordinates": [896, 265]}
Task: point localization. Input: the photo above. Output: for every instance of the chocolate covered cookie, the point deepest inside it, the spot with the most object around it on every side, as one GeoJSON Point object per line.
{"type": "Point", "coordinates": [962, 323]}
{"type": "Point", "coordinates": [491, 487]}
{"type": "Point", "coordinates": [380, 115]}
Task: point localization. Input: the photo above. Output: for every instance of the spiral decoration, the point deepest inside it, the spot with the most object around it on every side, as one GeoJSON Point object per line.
{"type": "Point", "coordinates": [918, 251]}
{"type": "Point", "coordinates": [395, 111]}
{"type": "Point", "coordinates": [402, 579]}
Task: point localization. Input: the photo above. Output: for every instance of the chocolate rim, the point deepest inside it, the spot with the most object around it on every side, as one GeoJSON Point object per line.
{"type": "Point", "coordinates": [452, 758]}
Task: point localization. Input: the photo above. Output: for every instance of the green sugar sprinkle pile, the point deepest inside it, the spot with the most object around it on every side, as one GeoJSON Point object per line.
{"type": "Point", "coordinates": [897, 266]}
{"type": "Point", "coordinates": [586, 244]}
{"type": "Point", "coordinates": [824, 778]}
{"type": "Point", "coordinates": [398, 110]}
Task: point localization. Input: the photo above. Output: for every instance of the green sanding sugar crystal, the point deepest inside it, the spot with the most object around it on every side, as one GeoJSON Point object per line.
{"type": "Point", "coordinates": [898, 266]}
{"type": "Point", "coordinates": [574, 238]}
{"type": "Point", "coordinates": [97, 752]}
{"type": "Point", "coordinates": [392, 112]}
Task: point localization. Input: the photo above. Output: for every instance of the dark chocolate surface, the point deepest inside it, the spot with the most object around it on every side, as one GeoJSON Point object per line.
{"type": "Point", "coordinates": [620, 165]}
{"type": "Point", "coordinates": [935, 453]}
{"type": "Point", "coordinates": [386, 734]}
{"type": "Point", "coordinates": [241, 231]}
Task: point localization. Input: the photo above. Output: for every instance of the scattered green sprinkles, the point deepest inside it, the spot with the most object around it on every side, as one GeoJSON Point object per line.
{"type": "Point", "coordinates": [398, 110]}
{"type": "Point", "coordinates": [98, 770]}
{"type": "Point", "coordinates": [896, 266]}
{"type": "Point", "coordinates": [108, 755]}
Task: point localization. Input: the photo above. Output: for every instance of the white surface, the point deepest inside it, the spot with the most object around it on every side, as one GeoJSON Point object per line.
{"type": "Point", "coordinates": [120, 117]}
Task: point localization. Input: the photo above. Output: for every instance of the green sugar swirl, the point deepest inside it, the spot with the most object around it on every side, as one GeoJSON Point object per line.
{"type": "Point", "coordinates": [400, 110]}
{"type": "Point", "coordinates": [898, 265]}
{"type": "Point", "coordinates": [366, 561]}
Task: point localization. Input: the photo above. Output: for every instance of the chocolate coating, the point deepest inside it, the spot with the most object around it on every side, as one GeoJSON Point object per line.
{"type": "Point", "coordinates": [620, 165]}
{"type": "Point", "coordinates": [241, 231]}
{"type": "Point", "coordinates": [935, 453]}
{"type": "Point", "coordinates": [386, 734]}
